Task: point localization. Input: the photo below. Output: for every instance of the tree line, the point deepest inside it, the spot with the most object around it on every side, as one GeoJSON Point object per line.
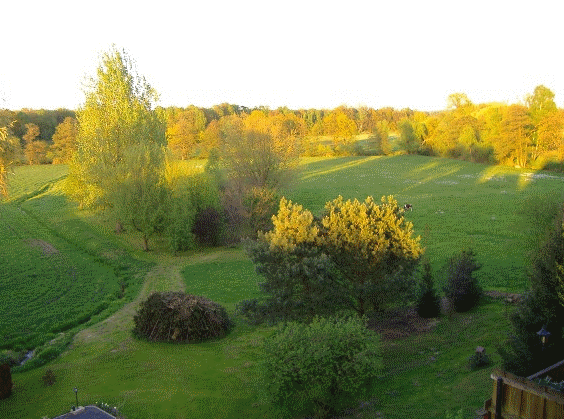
{"type": "Point", "coordinates": [530, 134]}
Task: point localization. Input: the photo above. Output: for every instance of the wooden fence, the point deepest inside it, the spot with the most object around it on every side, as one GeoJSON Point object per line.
{"type": "Point", "coordinates": [519, 398]}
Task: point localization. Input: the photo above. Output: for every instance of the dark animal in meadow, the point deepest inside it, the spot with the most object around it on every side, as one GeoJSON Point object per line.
{"type": "Point", "coordinates": [408, 207]}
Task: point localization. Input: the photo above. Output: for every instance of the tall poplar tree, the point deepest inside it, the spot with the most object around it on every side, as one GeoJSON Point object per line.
{"type": "Point", "coordinates": [118, 113]}
{"type": "Point", "coordinates": [119, 160]}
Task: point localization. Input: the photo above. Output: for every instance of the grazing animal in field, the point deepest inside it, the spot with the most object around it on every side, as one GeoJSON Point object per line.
{"type": "Point", "coordinates": [408, 207]}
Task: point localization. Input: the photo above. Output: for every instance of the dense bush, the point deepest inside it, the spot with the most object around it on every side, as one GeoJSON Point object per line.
{"type": "Point", "coordinates": [321, 368]}
{"type": "Point", "coordinates": [298, 284]}
{"type": "Point", "coordinates": [179, 317]}
{"type": "Point", "coordinates": [428, 302]}
{"type": "Point", "coordinates": [462, 288]}
{"type": "Point", "coordinates": [190, 194]}
{"type": "Point", "coordinates": [207, 227]}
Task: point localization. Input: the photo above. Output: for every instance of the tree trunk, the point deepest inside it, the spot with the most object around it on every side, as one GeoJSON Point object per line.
{"type": "Point", "coordinates": [360, 306]}
{"type": "Point", "coordinates": [145, 243]}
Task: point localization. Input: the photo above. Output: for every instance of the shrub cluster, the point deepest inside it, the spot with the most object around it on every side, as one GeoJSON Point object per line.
{"type": "Point", "coordinates": [359, 256]}
{"type": "Point", "coordinates": [523, 353]}
{"type": "Point", "coordinates": [322, 367]}
{"type": "Point", "coordinates": [180, 317]}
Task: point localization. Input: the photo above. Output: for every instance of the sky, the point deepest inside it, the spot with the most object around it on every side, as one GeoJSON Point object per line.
{"type": "Point", "coordinates": [300, 54]}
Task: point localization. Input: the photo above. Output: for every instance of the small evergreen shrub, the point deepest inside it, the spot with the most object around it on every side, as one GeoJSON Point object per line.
{"type": "Point", "coordinates": [298, 285]}
{"type": "Point", "coordinates": [180, 317]}
{"type": "Point", "coordinates": [428, 302]}
{"type": "Point", "coordinates": [321, 367]}
{"type": "Point", "coordinates": [462, 287]}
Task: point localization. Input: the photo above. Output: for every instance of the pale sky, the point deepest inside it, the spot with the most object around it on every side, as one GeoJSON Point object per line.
{"type": "Point", "coordinates": [295, 53]}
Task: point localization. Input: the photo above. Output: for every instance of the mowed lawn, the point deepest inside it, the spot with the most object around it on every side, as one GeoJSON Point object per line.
{"type": "Point", "coordinates": [500, 212]}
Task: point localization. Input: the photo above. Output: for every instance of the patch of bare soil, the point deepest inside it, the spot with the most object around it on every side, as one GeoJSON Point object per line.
{"type": "Point", "coordinates": [400, 323]}
{"type": "Point", "coordinates": [508, 296]}
{"type": "Point", "coordinates": [46, 248]}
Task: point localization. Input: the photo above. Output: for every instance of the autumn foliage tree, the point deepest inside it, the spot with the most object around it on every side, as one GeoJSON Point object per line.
{"type": "Point", "coordinates": [340, 126]}
{"type": "Point", "coordinates": [117, 114]}
{"type": "Point", "coordinates": [373, 247]}
{"type": "Point", "coordinates": [35, 150]}
{"type": "Point", "coordinates": [258, 161]}
{"type": "Point", "coordinates": [9, 146]}
{"type": "Point", "coordinates": [184, 132]}
{"type": "Point", "coordinates": [515, 137]}
{"type": "Point", "coordinates": [64, 140]}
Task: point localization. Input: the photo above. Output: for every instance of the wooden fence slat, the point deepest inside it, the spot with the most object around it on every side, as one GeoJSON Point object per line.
{"type": "Point", "coordinates": [517, 397]}
{"type": "Point", "coordinates": [513, 400]}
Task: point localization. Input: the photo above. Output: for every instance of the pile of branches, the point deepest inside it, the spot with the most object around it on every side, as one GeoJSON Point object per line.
{"type": "Point", "coordinates": [180, 317]}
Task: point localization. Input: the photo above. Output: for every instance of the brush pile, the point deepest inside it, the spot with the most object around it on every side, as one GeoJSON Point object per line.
{"type": "Point", "coordinates": [180, 317]}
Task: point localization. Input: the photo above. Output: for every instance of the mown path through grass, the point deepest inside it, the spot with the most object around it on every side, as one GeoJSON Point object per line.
{"type": "Point", "coordinates": [165, 276]}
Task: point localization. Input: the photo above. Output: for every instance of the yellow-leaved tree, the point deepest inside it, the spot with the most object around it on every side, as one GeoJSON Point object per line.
{"type": "Point", "coordinates": [9, 146]}
{"type": "Point", "coordinates": [119, 157]}
{"type": "Point", "coordinates": [293, 226]}
{"type": "Point", "coordinates": [373, 247]}
{"type": "Point", "coordinates": [358, 256]}
{"type": "Point", "coordinates": [118, 113]}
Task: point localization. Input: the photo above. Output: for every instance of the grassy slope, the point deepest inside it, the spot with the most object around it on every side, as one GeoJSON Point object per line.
{"type": "Point", "coordinates": [222, 379]}
{"type": "Point", "coordinates": [57, 269]}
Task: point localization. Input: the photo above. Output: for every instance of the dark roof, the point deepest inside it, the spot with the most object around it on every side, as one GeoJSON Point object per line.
{"type": "Point", "coordinates": [89, 412]}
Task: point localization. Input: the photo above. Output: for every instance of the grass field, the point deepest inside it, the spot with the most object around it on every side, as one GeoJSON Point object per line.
{"type": "Point", "coordinates": [54, 274]}
{"type": "Point", "coordinates": [500, 212]}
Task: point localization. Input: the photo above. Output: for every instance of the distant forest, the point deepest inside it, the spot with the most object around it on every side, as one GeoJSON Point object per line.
{"type": "Point", "coordinates": [530, 134]}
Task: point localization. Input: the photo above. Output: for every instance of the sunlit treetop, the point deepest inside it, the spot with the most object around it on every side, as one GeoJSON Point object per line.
{"type": "Point", "coordinates": [292, 226]}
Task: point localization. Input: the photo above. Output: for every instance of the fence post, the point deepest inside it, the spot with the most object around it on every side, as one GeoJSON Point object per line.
{"type": "Point", "coordinates": [498, 397]}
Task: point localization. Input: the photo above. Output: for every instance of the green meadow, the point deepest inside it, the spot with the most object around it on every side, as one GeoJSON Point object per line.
{"type": "Point", "coordinates": [63, 270]}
